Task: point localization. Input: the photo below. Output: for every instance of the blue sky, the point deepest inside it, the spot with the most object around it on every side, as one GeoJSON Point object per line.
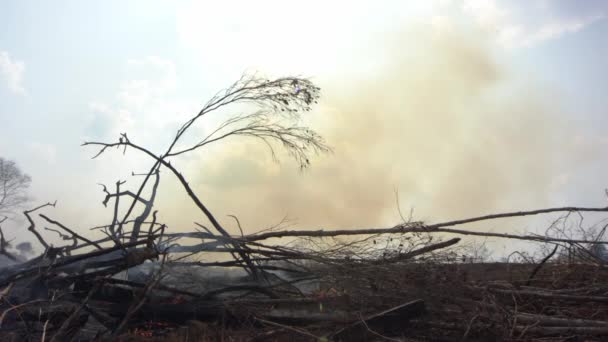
{"type": "Point", "coordinates": [74, 70]}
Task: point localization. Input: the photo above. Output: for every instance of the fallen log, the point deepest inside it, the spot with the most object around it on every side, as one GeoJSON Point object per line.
{"type": "Point", "coordinates": [556, 331]}
{"type": "Point", "coordinates": [305, 317]}
{"type": "Point", "coordinates": [558, 322]}
{"type": "Point", "coordinates": [549, 295]}
{"type": "Point", "coordinates": [389, 322]}
{"type": "Point", "coordinates": [417, 252]}
{"type": "Point", "coordinates": [167, 312]}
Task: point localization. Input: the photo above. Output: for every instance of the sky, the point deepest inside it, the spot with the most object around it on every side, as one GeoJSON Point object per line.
{"type": "Point", "coordinates": [461, 107]}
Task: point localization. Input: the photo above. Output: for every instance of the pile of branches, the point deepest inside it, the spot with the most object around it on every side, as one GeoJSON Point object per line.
{"type": "Point", "coordinates": [550, 301]}
{"type": "Point", "coordinates": [142, 281]}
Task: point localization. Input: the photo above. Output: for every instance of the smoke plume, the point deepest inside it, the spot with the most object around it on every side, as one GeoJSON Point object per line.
{"type": "Point", "coordinates": [439, 118]}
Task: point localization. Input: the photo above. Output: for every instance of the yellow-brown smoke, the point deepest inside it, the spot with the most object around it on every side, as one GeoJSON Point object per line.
{"type": "Point", "coordinates": [440, 119]}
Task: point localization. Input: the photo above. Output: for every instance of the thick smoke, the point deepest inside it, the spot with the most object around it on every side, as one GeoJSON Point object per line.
{"type": "Point", "coordinates": [439, 118]}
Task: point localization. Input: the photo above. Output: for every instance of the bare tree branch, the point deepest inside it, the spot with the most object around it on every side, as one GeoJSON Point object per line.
{"type": "Point", "coordinates": [139, 220]}
{"type": "Point", "coordinates": [74, 234]}
{"type": "Point", "coordinates": [32, 226]}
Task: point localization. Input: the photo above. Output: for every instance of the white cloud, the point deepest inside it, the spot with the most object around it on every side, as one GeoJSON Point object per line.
{"type": "Point", "coordinates": [146, 103]}
{"type": "Point", "coordinates": [157, 77]}
{"type": "Point", "coordinates": [44, 152]}
{"type": "Point", "coordinates": [553, 30]}
{"type": "Point", "coordinates": [488, 13]}
{"type": "Point", "coordinates": [11, 71]}
{"type": "Point", "coordinates": [517, 27]}
{"type": "Point", "coordinates": [441, 24]}
{"type": "Point", "coordinates": [109, 121]}
{"type": "Point", "coordinates": [279, 38]}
